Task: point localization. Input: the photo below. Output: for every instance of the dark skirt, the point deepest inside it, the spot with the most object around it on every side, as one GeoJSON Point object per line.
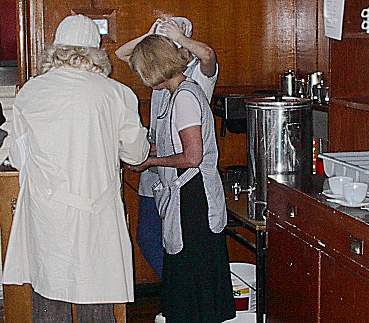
{"type": "Point", "coordinates": [196, 282]}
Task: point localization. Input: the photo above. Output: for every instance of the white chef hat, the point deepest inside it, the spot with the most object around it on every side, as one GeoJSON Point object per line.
{"type": "Point", "coordinates": [181, 21]}
{"type": "Point", "coordinates": [77, 30]}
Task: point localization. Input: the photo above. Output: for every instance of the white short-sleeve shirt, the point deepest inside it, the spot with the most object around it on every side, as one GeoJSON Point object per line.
{"type": "Point", "coordinates": [148, 178]}
{"type": "Point", "coordinates": [186, 109]}
{"type": "Point", "coordinates": [186, 113]}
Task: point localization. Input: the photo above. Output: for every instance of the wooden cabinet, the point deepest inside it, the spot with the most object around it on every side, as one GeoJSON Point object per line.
{"type": "Point", "coordinates": [292, 277]}
{"type": "Point", "coordinates": [17, 299]}
{"type": "Point", "coordinates": [343, 286]}
{"type": "Point", "coordinates": [349, 83]}
{"type": "Point", "coordinates": [317, 265]}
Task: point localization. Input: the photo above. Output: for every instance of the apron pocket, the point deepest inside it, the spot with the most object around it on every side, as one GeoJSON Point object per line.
{"type": "Point", "coordinates": [164, 199]}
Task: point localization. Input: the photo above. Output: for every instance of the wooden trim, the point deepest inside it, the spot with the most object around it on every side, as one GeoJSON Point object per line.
{"type": "Point", "coordinates": [22, 60]}
{"type": "Point", "coordinates": [101, 13]}
{"type": "Point", "coordinates": [36, 31]}
{"type": "Point", "coordinates": [30, 37]}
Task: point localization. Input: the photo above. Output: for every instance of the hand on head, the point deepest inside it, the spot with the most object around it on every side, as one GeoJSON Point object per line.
{"type": "Point", "coordinates": [171, 29]}
{"type": "Point", "coordinates": [154, 26]}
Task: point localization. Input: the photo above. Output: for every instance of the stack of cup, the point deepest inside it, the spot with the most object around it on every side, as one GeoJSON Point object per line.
{"type": "Point", "coordinates": [353, 192]}
{"type": "Point", "coordinates": [365, 23]}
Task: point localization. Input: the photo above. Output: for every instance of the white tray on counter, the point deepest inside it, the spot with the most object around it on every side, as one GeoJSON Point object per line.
{"type": "Point", "coordinates": [352, 164]}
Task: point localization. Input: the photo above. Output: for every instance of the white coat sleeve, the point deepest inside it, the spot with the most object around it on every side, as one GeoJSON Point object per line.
{"type": "Point", "coordinates": [18, 138]}
{"type": "Point", "coordinates": [133, 144]}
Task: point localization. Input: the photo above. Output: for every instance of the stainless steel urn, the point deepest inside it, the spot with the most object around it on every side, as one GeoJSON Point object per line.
{"type": "Point", "coordinates": [279, 135]}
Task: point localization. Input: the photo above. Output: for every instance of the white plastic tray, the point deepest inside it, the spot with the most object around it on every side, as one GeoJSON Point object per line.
{"type": "Point", "coordinates": [352, 164]}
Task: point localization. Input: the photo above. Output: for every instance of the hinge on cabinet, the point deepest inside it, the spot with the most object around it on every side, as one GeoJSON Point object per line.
{"type": "Point", "coordinates": [357, 246]}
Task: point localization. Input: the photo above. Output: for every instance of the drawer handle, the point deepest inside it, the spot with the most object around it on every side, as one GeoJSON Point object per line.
{"type": "Point", "coordinates": [292, 211]}
{"type": "Point", "coordinates": [357, 246]}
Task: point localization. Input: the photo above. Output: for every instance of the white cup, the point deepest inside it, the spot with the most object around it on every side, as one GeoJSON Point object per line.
{"type": "Point", "coordinates": [336, 183]}
{"type": "Point", "coordinates": [355, 192]}
{"type": "Point", "coordinates": [365, 25]}
{"type": "Point", "coordinates": [365, 13]}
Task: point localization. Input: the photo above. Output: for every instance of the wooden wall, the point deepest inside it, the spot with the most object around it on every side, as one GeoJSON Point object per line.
{"type": "Point", "coordinates": [8, 39]}
{"type": "Point", "coordinates": [312, 47]}
{"type": "Point", "coordinates": [254, 40]}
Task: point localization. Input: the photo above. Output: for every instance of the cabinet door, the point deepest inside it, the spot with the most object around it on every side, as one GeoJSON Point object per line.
{"type": "Point", "coordinates": [344, 293]}
{"type": "Point", "coordinates": [292, 277]}
{"type": "Point", "coordinates": [17, 299]}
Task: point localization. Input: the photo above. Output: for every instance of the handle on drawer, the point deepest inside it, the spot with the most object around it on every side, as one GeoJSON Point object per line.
{"type": "Point", "coordinates": [292, 211]}
{"type": "Point", "coordinates": [356, 246]}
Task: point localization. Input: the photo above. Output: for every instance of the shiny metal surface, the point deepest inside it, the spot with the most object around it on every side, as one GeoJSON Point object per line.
{"type": "Point", "coordinates": [288, 83]}
{"type": "Point", "coordinates": [279, 134]}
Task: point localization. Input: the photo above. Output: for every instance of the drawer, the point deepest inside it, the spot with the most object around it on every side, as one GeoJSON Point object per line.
{"type": "Point", "coordinates": [330, 230]}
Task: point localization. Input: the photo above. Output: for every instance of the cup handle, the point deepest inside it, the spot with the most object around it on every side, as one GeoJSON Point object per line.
{"type": "Point", "coordinates": [365, 13]}
{"type": "Point", "coordinates": [365, 25]}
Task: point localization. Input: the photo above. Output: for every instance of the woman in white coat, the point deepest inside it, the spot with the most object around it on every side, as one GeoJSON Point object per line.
{"type": "Point", "coordinates": [72, 125]}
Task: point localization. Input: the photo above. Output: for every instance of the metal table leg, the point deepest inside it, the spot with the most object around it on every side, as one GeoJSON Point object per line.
{"type": "Point", "coordinates": [260, 275]}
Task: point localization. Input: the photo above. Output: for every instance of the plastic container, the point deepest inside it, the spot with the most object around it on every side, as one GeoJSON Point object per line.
{"type": "Point", "coordinates": [351, 164]}
{"type": "Point", "coordinates": [243, 318]}
{"type": "Point", "coordinates": [243, 277]}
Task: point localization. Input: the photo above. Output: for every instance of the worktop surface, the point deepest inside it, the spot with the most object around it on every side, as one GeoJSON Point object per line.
{"type": "Point", "coordinates": [313, 187]}
{"type": "Point", "coordinates": [238, 210]}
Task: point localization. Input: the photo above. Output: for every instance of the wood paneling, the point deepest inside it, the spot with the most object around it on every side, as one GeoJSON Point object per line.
{"type": "Point", "coordinates": [344, 286]}
{"type": "Point", "coordinates": [349, 108]}
{"type": "Point", "coordinates": [292, 277]}
{"type": "Point", "coordinates": [312, 47]}
{"type": "Point", "coordinates": [144, 274]}
{"type": "Point", "coordinates": [17, 299]}
{"type": "Point", "coordinates": [252, 45]}
{"type": "Point", "coordinates": [322, 43]}
{"type": "Point", "coordinates": [349, 66]}
{"type": "Point", "coordinates": [237, 251]}
{"type": "Point", "coordinates": [348, 57]}
{"type": "Point", "coordinates": [232, 147]}
{"type": "Point", "coordinates": [313, 274]}
{"type": "Point", "coordinates": [349, 125]}
{"type": "Point", "coordinates": [306, 42]}
{"type": "Point", "coordinates": [8, 42]}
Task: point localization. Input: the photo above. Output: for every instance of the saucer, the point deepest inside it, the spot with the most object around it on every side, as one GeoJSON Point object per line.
{"type": "Point", "coordinates": [348, 204]}
{"type": "Point", "coordinates": [329, 193]}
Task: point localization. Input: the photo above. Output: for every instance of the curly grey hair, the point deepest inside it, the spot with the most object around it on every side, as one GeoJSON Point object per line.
{"type": "Point", "coordinates": [84, 58]}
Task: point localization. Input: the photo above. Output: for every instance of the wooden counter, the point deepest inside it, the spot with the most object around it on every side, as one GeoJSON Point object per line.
{"type": "Point", "coordinates": [238, 209]}
{"type": "Point", "coordinates": [318, 260]}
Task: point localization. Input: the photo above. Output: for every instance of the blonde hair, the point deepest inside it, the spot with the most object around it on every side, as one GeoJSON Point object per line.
{"type": "Point", "coordinates": [157, 59]}
{"type": "Point", "coordinates": [84, 58]}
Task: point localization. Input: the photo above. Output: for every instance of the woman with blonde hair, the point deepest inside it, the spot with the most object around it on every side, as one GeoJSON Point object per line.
{"type": "Point", "coordinates": [202, 67]}
{"type": "Point", "coordinates": [72, 125]}
{"type": "Point", "coordinates": [196, 283]}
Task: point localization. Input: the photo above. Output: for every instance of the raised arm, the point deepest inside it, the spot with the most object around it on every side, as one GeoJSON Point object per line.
{"type": "Point", "coordinates": [205, 53]}
{"type": "Point", "coordinates": [125, 51]}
